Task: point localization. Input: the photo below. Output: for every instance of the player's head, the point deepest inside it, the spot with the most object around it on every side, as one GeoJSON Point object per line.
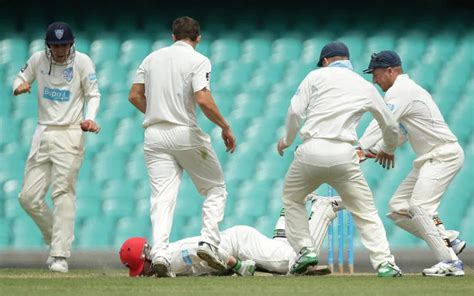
{"type": "Point", "coordinates": [332, 52]}
{"type": "Point", "coordinates": [135, 255]}
{"type": "Point", "coordinates": [59, 42]}
{"type": "Point", "coordinates": [186, 28]}
{"type": "Point", "coordinates": [385, 66]}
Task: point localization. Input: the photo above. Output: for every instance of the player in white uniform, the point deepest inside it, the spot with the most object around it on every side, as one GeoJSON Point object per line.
{"type": "Point", "coordinates": [414, 205]}
{"type": "Point", "coordinates": [168, 84]}
{"type": "Point", "coordinates": [333, 99]}
{"type": "Point", "coordinates": [242, 247]}
{"type": "Point", "coordinates": [66, 84]}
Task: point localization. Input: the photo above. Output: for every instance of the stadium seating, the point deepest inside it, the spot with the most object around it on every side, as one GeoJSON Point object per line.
{"type": "Point", "coordinates": [254, 76]}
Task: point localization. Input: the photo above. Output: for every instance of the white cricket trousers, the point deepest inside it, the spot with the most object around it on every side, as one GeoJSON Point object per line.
{"type": "Point", "coordinates": [244, 243]}
{"type": "Point", "coordinates": [165, 169]}
{"type": "Point", "coordinates": [347, 179]}
{"type": "Point", "coordinates": [55, 159]}
{"type": "Point", "coordinates": [426, 183]}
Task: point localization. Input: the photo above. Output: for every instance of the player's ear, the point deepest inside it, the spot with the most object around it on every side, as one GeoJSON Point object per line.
{"type": "Point", "coordinates": [173, 37]}
{"type": "Point", "coordinates": [198, 39]}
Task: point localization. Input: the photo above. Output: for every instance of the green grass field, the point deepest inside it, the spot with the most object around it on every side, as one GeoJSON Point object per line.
{"type": "Point", "coordinates": [93, 282]}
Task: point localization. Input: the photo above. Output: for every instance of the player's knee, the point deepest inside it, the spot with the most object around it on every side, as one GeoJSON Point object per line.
{"type": "Point", "coordinates": [25, 199]}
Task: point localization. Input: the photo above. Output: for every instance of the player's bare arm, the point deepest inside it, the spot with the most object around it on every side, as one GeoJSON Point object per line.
{"type": "Point", "coordinates": [208, 106]}
{"type": "Point", "coordinates": [22, 88]}
{"type": "Point", "coordinates": [137, 96]}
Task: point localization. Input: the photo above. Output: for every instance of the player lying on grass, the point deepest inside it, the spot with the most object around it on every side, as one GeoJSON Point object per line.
{"type": "Point", "coordinates": [242, 247]}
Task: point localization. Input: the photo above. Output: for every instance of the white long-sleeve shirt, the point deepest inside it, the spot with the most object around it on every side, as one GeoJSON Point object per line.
{"type": "Point", "coordinates": [63, 90]}
{"type": "Point", "coordinates": [332, 100]}
{"type": "Point", "coordinates": [421, 121]}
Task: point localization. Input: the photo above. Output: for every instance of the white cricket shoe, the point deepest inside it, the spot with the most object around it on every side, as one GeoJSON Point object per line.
{"type": "Point", "coordinates": [210, 254]}
{"type": "Point", "coordinates": [163, 268]}
{"type": "Point", "coordinates": [458, 245]}
{"type": "Point", "coordinates": [58, 264]}
{"type": "Point", "coordinates": [445, 268]}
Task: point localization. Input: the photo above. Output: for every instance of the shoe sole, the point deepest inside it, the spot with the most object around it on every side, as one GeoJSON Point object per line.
{"type": "Point", "coordinates": [211, 260]}
{"type": "Point", "coordinates": [456, 273]}
{"type": "Point", "coordinates": [317, 270]}
{"type": "Point", "coordinates": [161, 270]}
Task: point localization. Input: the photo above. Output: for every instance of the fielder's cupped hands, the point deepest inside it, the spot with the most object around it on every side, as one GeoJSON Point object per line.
{"type": "Point", "coordinates": [385, 160]}
{"type": "Point", "coordinates": [229, 140]}
{"type": "Point", "coordinates": [281, 146]}
{"type": "Point", "coordinates": [22, 88]}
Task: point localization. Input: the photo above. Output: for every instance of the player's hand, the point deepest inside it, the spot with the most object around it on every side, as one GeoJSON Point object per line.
{"type": "Point", "coordinates": [22, 88]}
{"type": "Point", "coordinates": [385, 160]}
{"type": "Point", "coordinates": [281, 146]}
{"type": "Point", "coordinates": [90, 126]}
{"type": "Point", "coordinates": [229, 140]}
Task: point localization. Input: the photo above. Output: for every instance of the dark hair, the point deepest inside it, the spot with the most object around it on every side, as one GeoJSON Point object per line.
{"type": "Point", "coordinates": [186, 28]}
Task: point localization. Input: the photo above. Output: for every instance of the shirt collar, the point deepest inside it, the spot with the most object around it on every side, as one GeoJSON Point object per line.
{"type": "Point", "coordinates": [342, 64]}
{"type": "Point", "coordinates": [402, 77]}
{"type": "Point", "coordinates": [183, 43]}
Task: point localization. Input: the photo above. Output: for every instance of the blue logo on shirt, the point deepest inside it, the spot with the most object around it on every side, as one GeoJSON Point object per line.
{"type": "Point", "coordinates": [68, 73]}
{"type": "Point", "coordinates": [92, 77]}
{"type": "Point", "coordinates": [391, 106]}
{"type": "Point", "coordinates": [55, 94]}
{"type": "Point", "coordinates": [186, 258]}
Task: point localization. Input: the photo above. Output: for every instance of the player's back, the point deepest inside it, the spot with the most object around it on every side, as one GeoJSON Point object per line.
{"type": "Point", "coordinates": [168, 84]}
{"type": "Point", "coordinates": [339, 98]}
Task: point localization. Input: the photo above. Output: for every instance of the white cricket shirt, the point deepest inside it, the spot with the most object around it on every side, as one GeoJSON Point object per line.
{"type": "Point", "coordinates": [64, 91]}
{"type": "Point", "coordinates": [332, 100]}
{"type": "Point", "coordinates": [171, 76]}
{"type": "Point", "coordinates": [421, 121]}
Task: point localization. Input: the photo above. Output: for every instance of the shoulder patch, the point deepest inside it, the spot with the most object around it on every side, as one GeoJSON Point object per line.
{"type": "Point", "coordinates": [390, 106]}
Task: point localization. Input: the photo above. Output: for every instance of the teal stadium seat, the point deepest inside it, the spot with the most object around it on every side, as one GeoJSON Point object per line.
{"type": "Point", "coordinates": [225, 50]}
{"type": "Point", "coordinates": [95, 233]}
{"type": "Point", "coordinates": [256, 50]}
{"type": "Point", "coordinates": [5, 233]}
{"type": "Point", "coordinates": [26, 234]}
{"type": "Point", "coordinates": [133, 226]}
{"type": "Point", "coordinates": [105, 49]}
{"type": "Point", "coordinates": [411, 47]}
{"type": "Point", "coordinates": [129, 134]}
{"type": "Point", "coordinates": [312, 47]}
{"type": "Point", "coordinates": [286, 49]}
{"type": "Point", "coordinates": [267, 74]}
{"type": "Point", "coordinates": [134, 50]}
{"type": "Point", "coordinates": [109, 164]}
{"type": "Point", "coordinates": [82, 44]}
{"type": "Point", "coordinates": [136, 167]}
{"type": "Point", "coordinates": [14, 50]}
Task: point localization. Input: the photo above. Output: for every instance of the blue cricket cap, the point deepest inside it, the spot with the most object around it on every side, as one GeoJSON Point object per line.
{"type": "Point", "coordinates": [333, 49]}
{"type": "Point", "coordinates": [383, 59]}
